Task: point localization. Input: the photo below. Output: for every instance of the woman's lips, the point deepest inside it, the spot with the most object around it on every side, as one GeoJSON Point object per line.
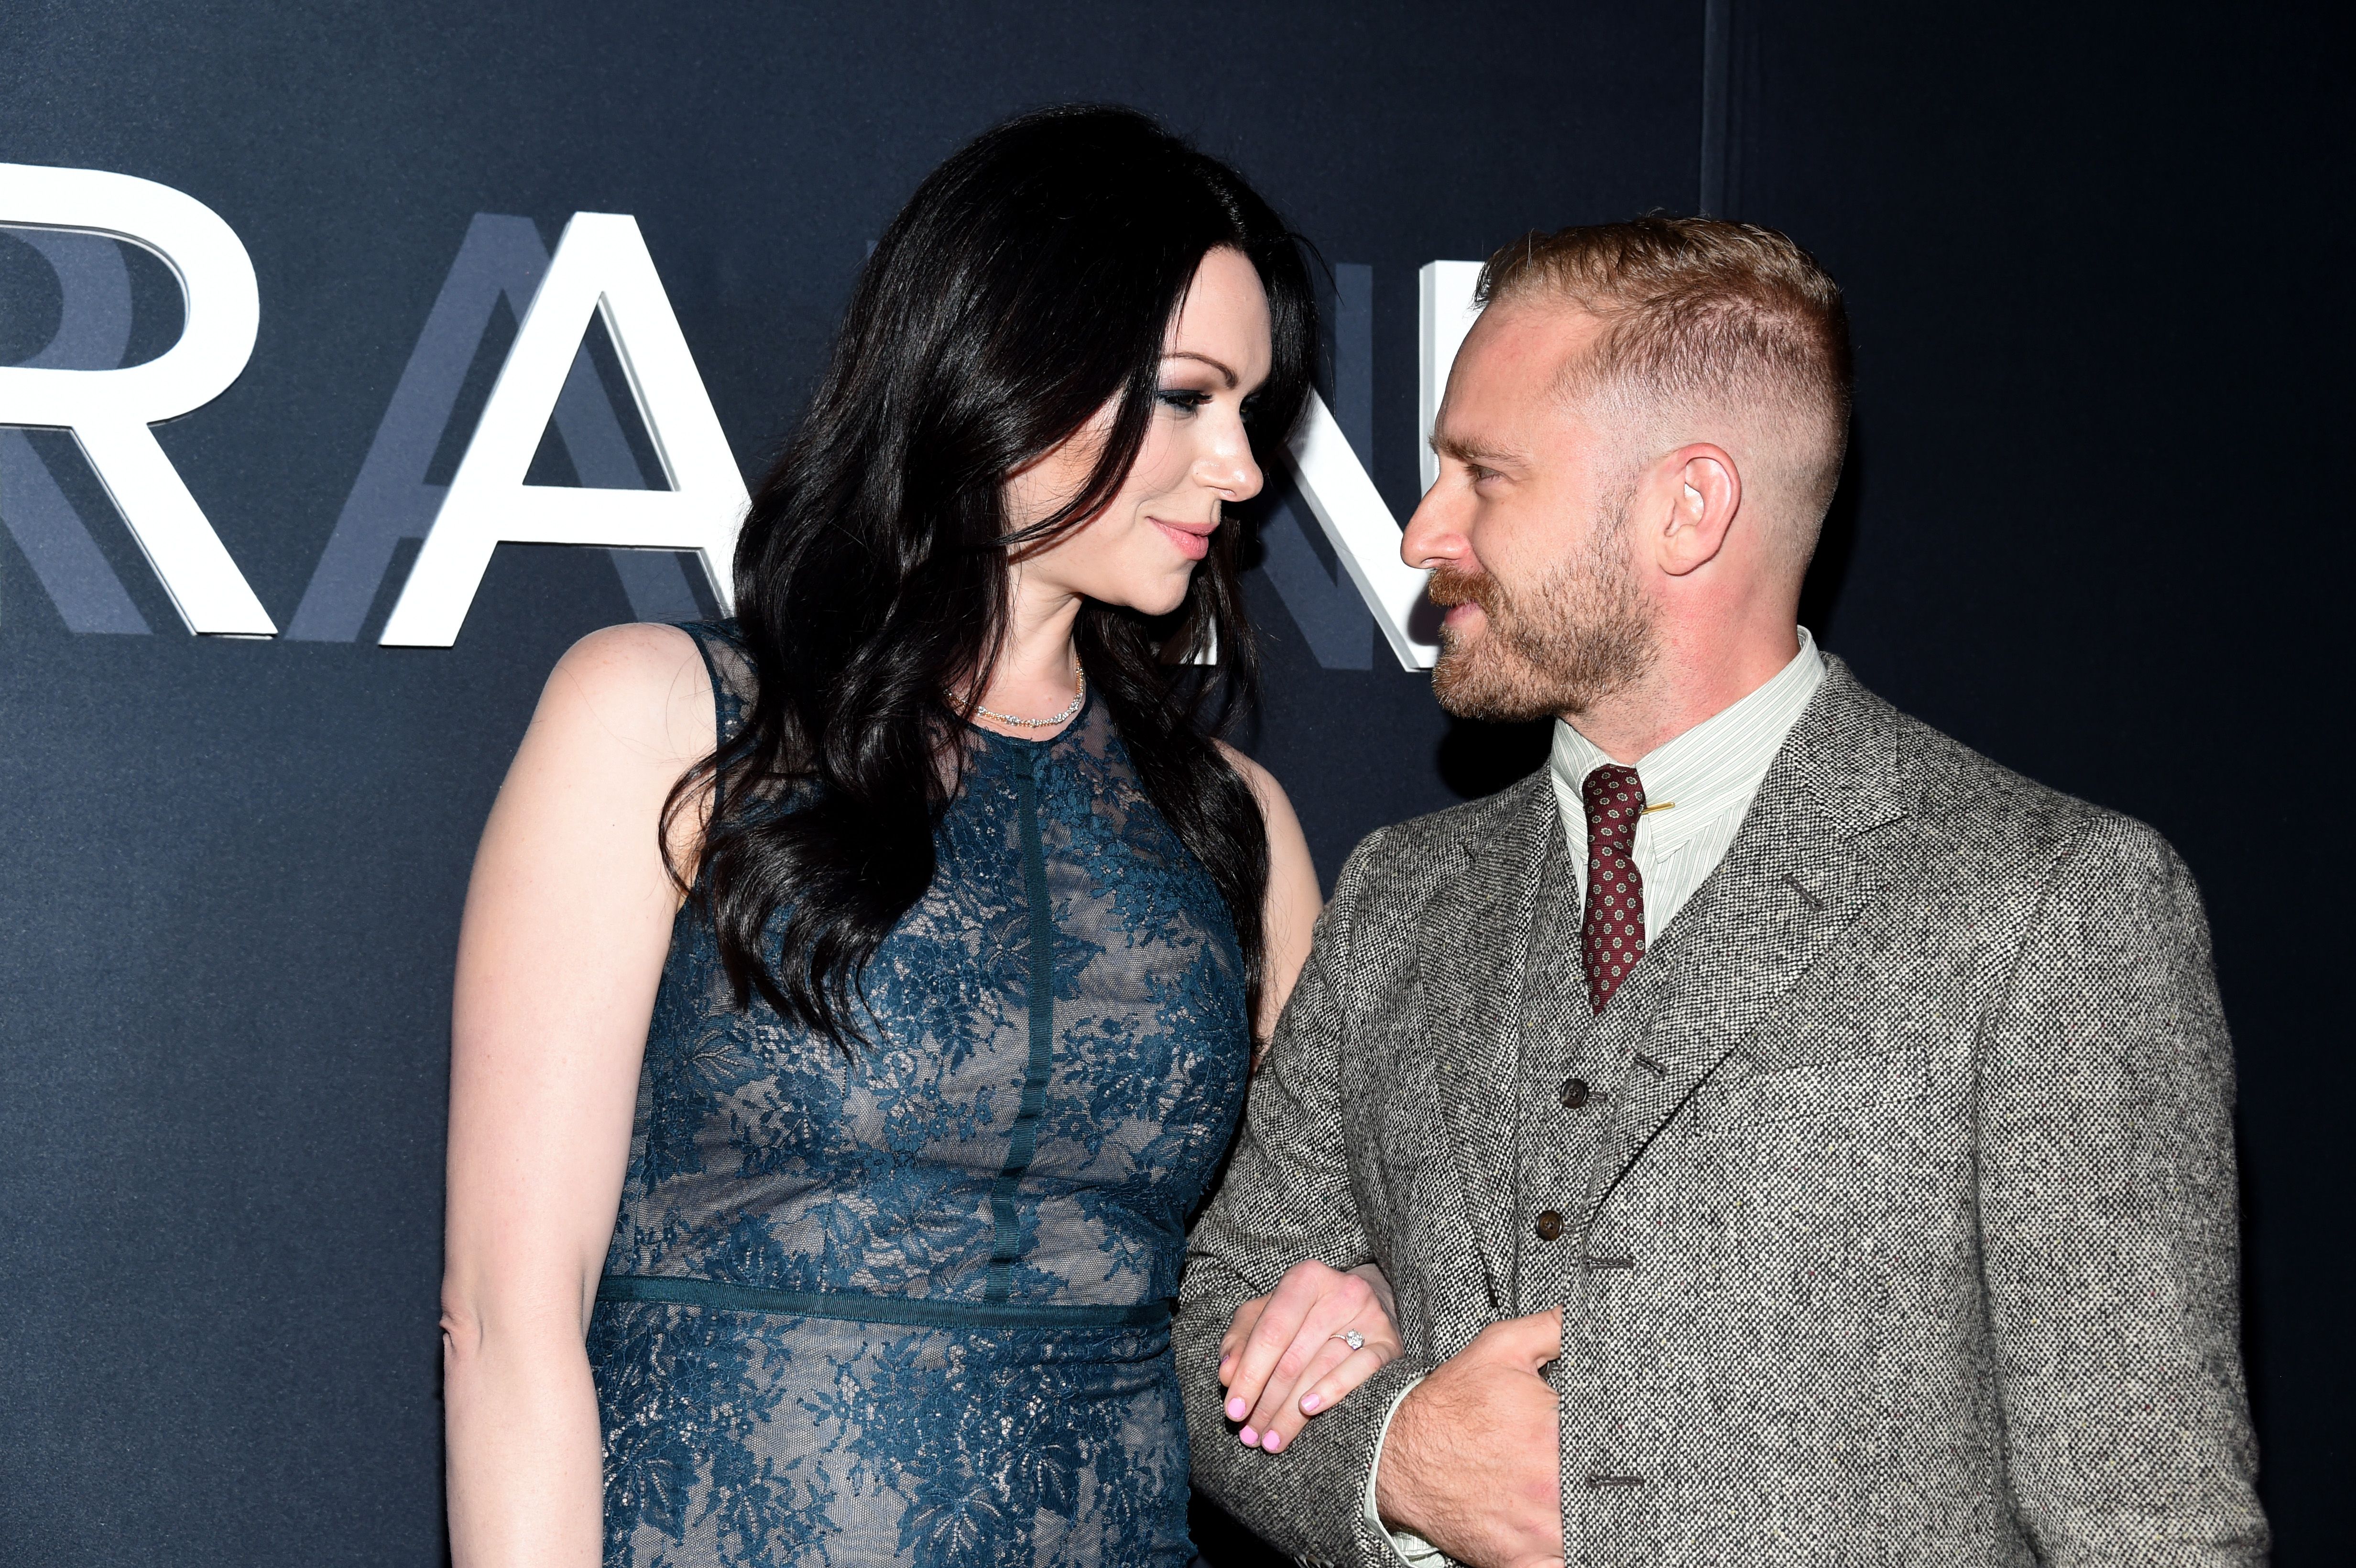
{"type": "Point", "coordinates": [1192, 543]}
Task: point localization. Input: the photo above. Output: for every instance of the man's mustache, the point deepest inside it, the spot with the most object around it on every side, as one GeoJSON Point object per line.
{"type": "Point", "coordinates": [1452, 585]}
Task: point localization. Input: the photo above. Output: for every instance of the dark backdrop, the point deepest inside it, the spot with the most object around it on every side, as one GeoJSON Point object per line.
{"type": "Point", "coordinates": [2093, 525]}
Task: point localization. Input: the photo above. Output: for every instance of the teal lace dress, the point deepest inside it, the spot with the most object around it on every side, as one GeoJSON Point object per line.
{"type": "Point", "coordinates": [913, 1306]}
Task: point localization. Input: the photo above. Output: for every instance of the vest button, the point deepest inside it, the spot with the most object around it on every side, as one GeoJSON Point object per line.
{"type": "Point", "coordinates": [1549, 1226]}
{"type": "Point", "coordinates": [1574, 1092]}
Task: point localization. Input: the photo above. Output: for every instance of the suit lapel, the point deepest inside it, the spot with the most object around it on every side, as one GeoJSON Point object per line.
{"type": "Point", "coordinates": [1469, 985]}
{"type": "Point", "coordinates": [1809, 857]}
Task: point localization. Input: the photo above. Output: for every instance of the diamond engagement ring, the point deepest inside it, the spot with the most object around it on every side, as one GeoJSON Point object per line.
{"type": "Point", "coordinates": [1352, 1338]}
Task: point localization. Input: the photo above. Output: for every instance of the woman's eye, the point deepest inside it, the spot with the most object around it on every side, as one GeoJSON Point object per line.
{"type": "Point", "coordinates": [1184, 401]}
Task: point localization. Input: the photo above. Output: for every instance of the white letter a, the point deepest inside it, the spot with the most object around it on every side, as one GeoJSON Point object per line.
{"type": "Point", "coordinates": [601, 264]}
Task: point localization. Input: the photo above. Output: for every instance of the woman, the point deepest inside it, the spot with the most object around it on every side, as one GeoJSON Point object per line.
{"type": "Point", "coordinates": [891, 957]}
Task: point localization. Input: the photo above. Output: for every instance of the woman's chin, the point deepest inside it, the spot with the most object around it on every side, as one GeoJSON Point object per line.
{"type": "Point", "coordinates": [1150, 598]}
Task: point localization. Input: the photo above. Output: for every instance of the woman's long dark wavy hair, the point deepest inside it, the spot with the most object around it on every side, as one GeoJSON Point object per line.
{"type": "Point", "coordinates": [1027, 284]}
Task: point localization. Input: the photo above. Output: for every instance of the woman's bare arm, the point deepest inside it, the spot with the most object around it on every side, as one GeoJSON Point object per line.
{"type": "Point", "coordinates": [567, 922]}
{"type": "Point", "coordinates": [1282, 1349]}
{"type": "Point", "coordinates": [1295, 900]}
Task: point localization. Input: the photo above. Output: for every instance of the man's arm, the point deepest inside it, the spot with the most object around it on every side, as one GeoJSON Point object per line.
{"type": "Point", "coordinates": [2109, 1223]}
{"type": "Point", "coordinates": [1286, 1198]}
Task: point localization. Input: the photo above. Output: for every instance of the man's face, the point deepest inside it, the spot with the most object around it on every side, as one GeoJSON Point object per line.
{"type": "Point", "coordinates": [1526, 530]}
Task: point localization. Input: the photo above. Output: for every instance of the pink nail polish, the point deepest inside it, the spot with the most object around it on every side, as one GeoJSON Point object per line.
{"type": "Point", "coordinates": [1309, 1403]}
{"type": "Point", "coordinates": [1251, 1438]}
{"type": "Point", "coordinates": [1238, 1409]}
{"type": "Point", "coordinates": [1273, 1442]}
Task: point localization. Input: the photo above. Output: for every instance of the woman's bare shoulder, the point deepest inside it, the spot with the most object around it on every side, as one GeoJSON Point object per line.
{"type": "Point", "coordinates": [1263, 783]}
{"type": "Point", "coordinates": [641, 686]}
{"type": "Point", "coordinates": [1285, 840]}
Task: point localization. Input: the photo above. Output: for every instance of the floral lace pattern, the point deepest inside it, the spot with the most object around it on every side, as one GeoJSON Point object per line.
{"type": "Point", "coordinates": [761, 1157]}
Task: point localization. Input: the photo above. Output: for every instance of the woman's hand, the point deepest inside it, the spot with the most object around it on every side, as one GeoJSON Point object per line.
{"type": "Point", "coordinates": [1284, 1357]}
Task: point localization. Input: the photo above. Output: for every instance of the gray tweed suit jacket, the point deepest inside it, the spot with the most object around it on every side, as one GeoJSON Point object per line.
{"type": "Point", "coordinates": [1893, 1211]}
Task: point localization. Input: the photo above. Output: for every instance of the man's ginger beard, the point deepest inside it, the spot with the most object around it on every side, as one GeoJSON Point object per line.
{"type": "Point", "coordinates": [1577, 635]}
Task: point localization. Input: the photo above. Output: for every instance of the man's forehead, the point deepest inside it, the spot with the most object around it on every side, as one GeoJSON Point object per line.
{"type": "Point", "coordinates": [1532, 335]}
{"type": "Point", "coordinates": [1502, 387]}
{"type": "Point", "coordinates": [1509, 359]}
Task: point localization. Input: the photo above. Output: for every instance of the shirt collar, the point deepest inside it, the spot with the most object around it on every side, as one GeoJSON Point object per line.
{"type": "Point", "coordinates": [1712, 768]}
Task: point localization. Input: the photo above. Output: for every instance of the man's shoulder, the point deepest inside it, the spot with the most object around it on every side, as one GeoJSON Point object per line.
{"type": "Point", "coordinates": [1973, 795]}
{"type": "Point", "coordinates": [1994, 819]}
{"type": "Point", "coordinates": [1407, 882]}
{"type": "Point", "coordinates": [1403, 864]}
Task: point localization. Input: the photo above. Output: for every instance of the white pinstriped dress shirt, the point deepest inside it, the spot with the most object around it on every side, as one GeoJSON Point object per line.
{"type": "Point", "coordinates": [1696, 789]}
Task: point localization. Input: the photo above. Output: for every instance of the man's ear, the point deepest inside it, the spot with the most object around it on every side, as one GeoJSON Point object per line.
{"type": "Point", "coordinates": [1705, 491]}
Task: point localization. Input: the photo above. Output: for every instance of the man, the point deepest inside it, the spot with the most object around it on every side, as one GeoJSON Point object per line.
{"type": "Point", "coordinates": [1790, 1138]}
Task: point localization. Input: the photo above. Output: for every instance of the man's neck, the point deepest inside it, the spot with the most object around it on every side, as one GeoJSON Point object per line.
{"type": "Point", "coordinates": [1683, 689]}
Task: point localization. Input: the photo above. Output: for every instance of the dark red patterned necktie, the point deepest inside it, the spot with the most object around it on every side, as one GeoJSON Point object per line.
{"type": "Point", "coordinates": [1613, 931]}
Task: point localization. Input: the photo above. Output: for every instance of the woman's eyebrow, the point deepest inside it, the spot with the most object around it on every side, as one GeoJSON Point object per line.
{"type": "Point", "coordinates": [1214, 364]}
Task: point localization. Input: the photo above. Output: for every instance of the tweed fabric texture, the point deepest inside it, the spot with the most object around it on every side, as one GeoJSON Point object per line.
{"type": "Point", "coordinates": [1899, 1221]}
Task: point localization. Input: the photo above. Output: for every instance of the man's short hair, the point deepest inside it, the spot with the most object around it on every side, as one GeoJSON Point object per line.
{"type": "Point", "coordinates": [1701, 314]}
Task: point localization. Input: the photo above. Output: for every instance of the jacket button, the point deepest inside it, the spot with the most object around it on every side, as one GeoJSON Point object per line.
{"type": "Point", "coordinates": [1549, 1226]}
{"type": "Point", "coordinates": [1574, 1092]}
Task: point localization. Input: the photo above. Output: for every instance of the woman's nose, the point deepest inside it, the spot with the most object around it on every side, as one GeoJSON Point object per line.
{"type": "Point", "coordinates": [1229, 468]}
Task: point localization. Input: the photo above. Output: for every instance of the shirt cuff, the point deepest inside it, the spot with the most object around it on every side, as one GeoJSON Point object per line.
{"type": "Point", "coordinates": [1410, 1548]}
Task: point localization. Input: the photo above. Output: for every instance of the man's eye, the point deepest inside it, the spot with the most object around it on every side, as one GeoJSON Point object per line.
{"type": "Point", "coordinates": [1480, 473]}
{"type": "Point", "coordinates": [1185, 401]}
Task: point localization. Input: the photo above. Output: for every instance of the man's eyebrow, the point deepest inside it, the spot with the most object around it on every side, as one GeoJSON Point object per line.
{"type": "Point", "coordinates": [1474, 452]}
{"type": "Point", "coordinates": [1233, 380]}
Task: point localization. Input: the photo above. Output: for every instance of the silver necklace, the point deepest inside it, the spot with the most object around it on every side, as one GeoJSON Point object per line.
{"type": "Point", "coordinates": [1062, 717]}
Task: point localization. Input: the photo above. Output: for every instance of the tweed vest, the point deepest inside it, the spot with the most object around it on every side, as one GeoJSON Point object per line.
{"type": "Point", "coordinates": [1571, 1081]}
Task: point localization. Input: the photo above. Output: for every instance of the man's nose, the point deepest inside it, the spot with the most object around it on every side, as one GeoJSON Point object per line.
{"type": "Point", "coordinates": [1434, 536]}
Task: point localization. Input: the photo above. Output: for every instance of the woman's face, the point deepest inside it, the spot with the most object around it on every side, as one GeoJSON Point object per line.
{"type": "Point", "coordinates": [1141, 550]}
